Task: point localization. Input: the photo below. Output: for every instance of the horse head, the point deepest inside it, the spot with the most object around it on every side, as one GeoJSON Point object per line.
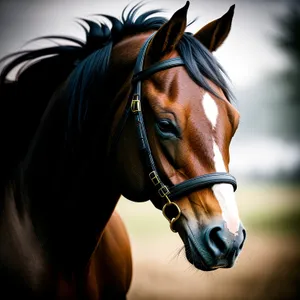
{"type": "Point", "coordinates": [185, 122]}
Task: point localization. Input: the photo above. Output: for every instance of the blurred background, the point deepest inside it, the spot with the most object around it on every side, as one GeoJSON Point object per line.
{"type": "Point", "coordinates": [262, 58]}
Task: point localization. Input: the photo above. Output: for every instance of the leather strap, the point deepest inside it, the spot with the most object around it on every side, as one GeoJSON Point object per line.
{"type": "Point", "coordinates": [159, 66]}
{"type": "Point", "coordinates": [201, 182]}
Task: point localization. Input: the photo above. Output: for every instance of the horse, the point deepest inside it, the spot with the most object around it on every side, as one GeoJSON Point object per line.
{"type": "Point", "coordinates": [142, 109]}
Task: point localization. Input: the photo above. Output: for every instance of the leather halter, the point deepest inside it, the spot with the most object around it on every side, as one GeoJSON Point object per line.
{"type": "Point", "coordinates": [168, 193]}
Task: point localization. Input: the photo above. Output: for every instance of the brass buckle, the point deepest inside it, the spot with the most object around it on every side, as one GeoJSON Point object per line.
{"type": "Point", "coordinates": [154, 178]}
{"type": "Point", "coordinates": [163, 191]}
{"type": "Point", "coordinates": [173, 220]}
{"type": "Point", "coordinates": [135, 104]}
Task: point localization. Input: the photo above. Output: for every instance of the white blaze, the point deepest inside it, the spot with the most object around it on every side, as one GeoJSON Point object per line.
{"type": "Point", "coordinates": [223, 192]}
{"type": "Point", "coordinates": [210, 109]}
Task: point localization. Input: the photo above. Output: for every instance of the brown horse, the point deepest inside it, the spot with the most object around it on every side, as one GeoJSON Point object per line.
{"type": "Point", "coordinates": [141, 109]}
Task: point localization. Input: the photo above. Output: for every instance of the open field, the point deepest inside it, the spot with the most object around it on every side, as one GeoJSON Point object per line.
{"type": "Point", "coordinates": [268, 267]}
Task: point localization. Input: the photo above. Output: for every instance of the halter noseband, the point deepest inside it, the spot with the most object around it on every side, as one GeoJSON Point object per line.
{"type": "Point", "coordinates": [168, 193]}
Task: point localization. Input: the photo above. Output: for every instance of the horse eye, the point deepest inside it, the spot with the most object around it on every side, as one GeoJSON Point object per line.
{"type": "Point", "coordinates": [165, 125]}
{"type": "Point", "coordinates": [167, 129]}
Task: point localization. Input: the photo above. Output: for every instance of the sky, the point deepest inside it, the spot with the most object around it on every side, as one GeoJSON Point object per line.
{"type": "Point", "coordinates": [249, 56]}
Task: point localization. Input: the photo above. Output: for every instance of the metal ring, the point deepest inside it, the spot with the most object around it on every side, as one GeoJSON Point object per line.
{"type": "Point", "coordinates": [173, 220]}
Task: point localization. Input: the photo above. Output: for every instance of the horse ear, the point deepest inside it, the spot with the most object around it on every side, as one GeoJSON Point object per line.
{"type": "Point", "coordinates": [215, 33]}
{"type": "Point", "coordinates": [167, 37]}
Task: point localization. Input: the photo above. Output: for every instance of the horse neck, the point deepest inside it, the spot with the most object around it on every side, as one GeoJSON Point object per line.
{"type": "Point", "coordinates": [66, 189]}
{"type": "Point", "coordinates": [71, 195]}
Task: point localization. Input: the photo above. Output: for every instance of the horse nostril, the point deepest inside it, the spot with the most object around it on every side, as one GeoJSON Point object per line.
{"type": "Point", "coordinates": [222, 242]}
{"type": "Point", "coordinates": [215, 241]}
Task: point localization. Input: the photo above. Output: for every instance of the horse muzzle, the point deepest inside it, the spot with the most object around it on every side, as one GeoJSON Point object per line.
{"type": "Point", "coordinates": [212, 246]}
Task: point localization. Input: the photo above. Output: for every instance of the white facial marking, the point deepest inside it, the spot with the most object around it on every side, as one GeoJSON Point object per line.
{"type": "Point", "coordinates": [210, 109]}
{"type": "Point", "coordinates": [223, 192]}
{"type": "Point", "coordinates": [218, 159]}
{"type": "Point", "coordinates": [225, 195]}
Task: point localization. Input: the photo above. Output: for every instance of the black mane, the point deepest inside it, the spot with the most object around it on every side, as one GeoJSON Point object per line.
{"type": "Point", "coordinates": [97, 36]}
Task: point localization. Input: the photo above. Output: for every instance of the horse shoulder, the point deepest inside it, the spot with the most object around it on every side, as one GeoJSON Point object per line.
{"type": "Point", "coordinates": [110, 268]}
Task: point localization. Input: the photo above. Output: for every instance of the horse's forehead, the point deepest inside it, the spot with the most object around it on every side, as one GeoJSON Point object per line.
{"type": "Point", "coordinates": [177, 85]}
{"type": "Point", "coordinates": [180, 91]}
